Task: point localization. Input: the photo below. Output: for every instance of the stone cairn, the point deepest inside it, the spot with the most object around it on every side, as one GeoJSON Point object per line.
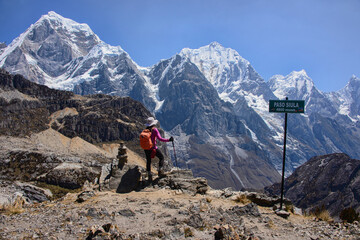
{"type": "Point", "coordinates": [122, 155]}
{"type": "Point", "coordinates": [111, 170]}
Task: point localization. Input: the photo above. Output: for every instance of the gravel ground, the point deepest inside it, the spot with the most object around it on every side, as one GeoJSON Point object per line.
{"type": "Point", "coordinates": [155, 213]}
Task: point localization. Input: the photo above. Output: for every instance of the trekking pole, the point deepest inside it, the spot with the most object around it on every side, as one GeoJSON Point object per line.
{"type": "Point", "coordinates": [175, 158]}
{"type": "Point", "coordinates": [175, 154]}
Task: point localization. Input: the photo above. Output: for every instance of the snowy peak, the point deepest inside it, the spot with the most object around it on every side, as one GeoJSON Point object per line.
{"type": "Point", "coordinates": [59, 22]}
{"type": "Point", "coordinates": [226, 70]}
{"type": "Point", "coordinates": [351, 88]}
{"type": "Point", "coordinates": [299, 86]}
{"type": "Point", "coordinates": [49, 49]}
{"type": "Point", "coordinates": [354, 83]}
{"type": "Point", "coordinates": [355, 78]}
{"type": "Point", "coordinates": [296, 85]}
{"type": "Point", "coordinates": [215, 44]}
{"type": "Point", "coordinates": [347, 98]}
{"type": "Point", "coordinates": [73, 30]}
{"type": "Point", "coordinates": [214, 52]}
{"type": "Point", "coordinates": [73, 33]}
{"type": "Point", "coordinates": [213, 59]}
{"type": "Point", "coordinates": [300, 75]}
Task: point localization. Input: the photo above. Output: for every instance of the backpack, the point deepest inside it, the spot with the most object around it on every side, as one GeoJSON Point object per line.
{"type": "Point", "coordinates": [145, 139]}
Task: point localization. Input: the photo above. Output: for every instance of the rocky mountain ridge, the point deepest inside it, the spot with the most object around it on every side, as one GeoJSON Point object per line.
{"type": "Point", "coordinates": [329, 181]}
{"type": "Point", "coordinates": [25, 103]}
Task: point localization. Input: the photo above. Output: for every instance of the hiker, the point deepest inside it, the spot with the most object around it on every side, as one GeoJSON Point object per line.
{"type": "Point", "coordinates": [150, 148]}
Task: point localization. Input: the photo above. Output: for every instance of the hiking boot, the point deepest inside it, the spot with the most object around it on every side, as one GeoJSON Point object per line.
{"type": "Point", "coordinates": [161, 173]}
{"type": "Point", "coordinates": [149, 175]}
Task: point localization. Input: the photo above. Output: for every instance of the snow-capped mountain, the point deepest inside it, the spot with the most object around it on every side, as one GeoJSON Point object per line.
{"type": "Point", "coordinates": [48, 48]}
{"type": "Point", "coordinates": [211, 99]}
{"type": "Point", "coordinates": [299, 86]}
{"type": "Point", "coordinates": [230, 74]}
{"type": "Point", "coordinates": [325, 126]}
{"type": "Point", "coordinates": [212, 140]}
{"type": "Point", "coordinates": [67, 55]}
{"type": "Point", "coordinates": [236, 80]}
{"type": "Point", "coordinates": [347, 99]}
{"type": "Point", "coordinates": [296, 85]}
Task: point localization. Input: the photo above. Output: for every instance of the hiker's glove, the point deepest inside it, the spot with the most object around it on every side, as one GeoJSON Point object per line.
{"type": "Point", "coordinates": [171, 139]}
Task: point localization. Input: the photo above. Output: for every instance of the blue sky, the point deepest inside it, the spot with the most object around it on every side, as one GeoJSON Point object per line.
{"type": "Point", "coordinates": [276, 36]}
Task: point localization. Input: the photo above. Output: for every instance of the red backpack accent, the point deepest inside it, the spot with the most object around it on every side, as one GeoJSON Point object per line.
{"type": "Point", "coordinates": [145, 139]}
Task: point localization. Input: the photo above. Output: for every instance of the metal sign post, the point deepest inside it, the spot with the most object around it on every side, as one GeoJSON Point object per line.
{"type": "Point", "coordinates": [283, 166]}
{"type": "Point", "coordinates": [285, 106]}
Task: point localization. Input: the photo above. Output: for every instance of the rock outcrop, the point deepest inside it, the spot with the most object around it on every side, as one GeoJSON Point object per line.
{"type": "Point", "coordinates": [29, 108]}
{"type": "Point", "coordinates": [11, 191]}
{"type": "Point", "coordinates": [332, 181]}
{"type": "Point", "coordinates": [124, 178]}
{"type": "Point", "coordinates": [69, 175]}
{"type": "Point", "coordinates": [183, 180]}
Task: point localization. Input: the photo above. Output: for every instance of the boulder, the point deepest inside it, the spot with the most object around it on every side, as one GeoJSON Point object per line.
{"type": "Point", "coordinates": [182, 179]}
{"type": "Point", "coordinates": [107, 231]}
{"type": "Point", "coordinates": [228, 232]}
{"type": "Point", "coordinates": [282, 213]}
{"type": "Point", "coordinates": [13, 192]}
{"type": "Point", "coordinates": [33, 193]}
{"type": "Point", "coordinates": [82, 197]}
{"type": "Point", "coordinates": [129, 181]}
{"type": "Point", "coordinates": [106, 173]}
{"type": "Point", "coordinates": [123, 180]}
{"type": "Point", "coordinates": [265, 200]}
{"type": "Point", "coordinates": [69, 175]}
{"type": "Point", "coordinates": [247, 210]}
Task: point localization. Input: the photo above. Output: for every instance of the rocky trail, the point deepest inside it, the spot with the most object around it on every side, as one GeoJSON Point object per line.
{"type": "Point", "coordinates": [162, 213]}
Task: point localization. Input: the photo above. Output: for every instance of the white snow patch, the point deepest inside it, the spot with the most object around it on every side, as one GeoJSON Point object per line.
{"type": "Point", "coordinates": [234, 172]}
{"type": "Point", "coordinates": [154, 93]}
{"type": "Point", "coordinates": [323, 163]}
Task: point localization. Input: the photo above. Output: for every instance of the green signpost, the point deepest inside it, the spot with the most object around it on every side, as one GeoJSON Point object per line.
{"type": "Point", "coordinates": [285, 106]}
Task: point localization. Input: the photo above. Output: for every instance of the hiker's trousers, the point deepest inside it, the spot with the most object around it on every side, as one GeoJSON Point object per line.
{"type": "Point", "coordinates": [148, 159]}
